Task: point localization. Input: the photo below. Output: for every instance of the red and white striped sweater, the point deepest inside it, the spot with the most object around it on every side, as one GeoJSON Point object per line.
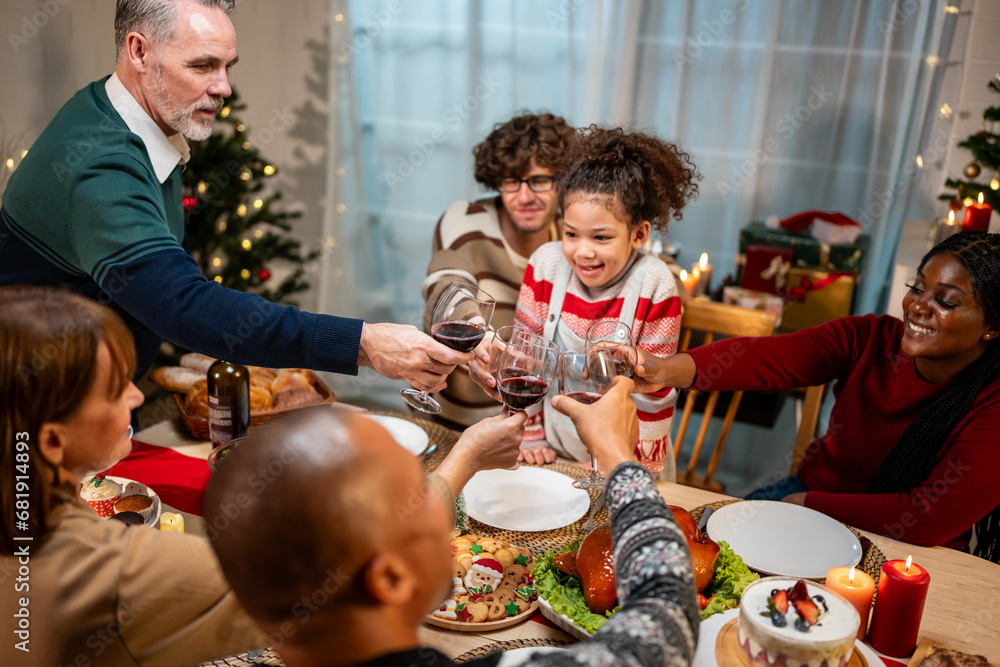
{"type": "Point", "coordinates": [656, 328]}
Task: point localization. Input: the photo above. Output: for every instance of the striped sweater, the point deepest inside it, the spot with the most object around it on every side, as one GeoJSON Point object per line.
{"type": "Point", "coordinates": [469, 246]}
{"type": "Point", "coordinates": [656, 328]}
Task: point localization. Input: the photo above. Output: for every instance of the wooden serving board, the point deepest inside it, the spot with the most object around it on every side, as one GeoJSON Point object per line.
{"type": "Point", "coordinates": [485, 626]}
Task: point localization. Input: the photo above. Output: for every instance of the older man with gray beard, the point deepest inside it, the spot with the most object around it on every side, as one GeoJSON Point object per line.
{"type": "Point", "coordinates": [96, 206]}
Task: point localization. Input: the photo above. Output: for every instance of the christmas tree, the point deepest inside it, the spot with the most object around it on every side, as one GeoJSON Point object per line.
{"type": "Point", "coordinates": [985, 148]}
{"type": "Point", "coordinates": [235, 232]}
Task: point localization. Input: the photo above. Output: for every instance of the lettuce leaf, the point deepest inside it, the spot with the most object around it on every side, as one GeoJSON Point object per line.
{"type": "Point", "coordinates": [731, 576]}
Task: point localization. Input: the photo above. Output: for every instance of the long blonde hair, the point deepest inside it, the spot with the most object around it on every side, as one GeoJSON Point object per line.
{"type": "Point", "coordinates": [48, 349]}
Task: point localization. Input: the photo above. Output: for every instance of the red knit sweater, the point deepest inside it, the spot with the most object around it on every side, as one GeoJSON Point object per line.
{"type": "Point", "coordinates": [878, 394]}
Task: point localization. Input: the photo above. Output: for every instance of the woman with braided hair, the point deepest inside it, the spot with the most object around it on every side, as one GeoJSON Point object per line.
{"type": "Point", "coordinates": [911, 450]}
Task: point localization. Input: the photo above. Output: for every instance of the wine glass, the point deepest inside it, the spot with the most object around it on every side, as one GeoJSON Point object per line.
{"type": "Point", "coordinates": [460, 320]}
{"type": "Point", "coordinates": [526, 370]}
{"type": "Point", "coordinates": [586, 375]}
{"type": "Point", "coordinates": [617, 338]}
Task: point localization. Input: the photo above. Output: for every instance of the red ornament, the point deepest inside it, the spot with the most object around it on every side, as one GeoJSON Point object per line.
{"type": "Point", "coordinates": [190, 203]}
{"type": "Point", "coordinates": [263, 274]}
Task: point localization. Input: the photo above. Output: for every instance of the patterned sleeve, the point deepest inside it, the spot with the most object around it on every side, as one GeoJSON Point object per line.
{"type": "Point", "coordinates": [658, 621]}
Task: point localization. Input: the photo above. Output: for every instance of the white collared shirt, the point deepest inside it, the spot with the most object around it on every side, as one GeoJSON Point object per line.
{"type": "Point", "coordinates": [164, 152]}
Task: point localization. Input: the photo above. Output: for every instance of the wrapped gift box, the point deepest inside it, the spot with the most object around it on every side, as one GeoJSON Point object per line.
{"type": "Point", "coordinates": [806, 250]}
{"type": "Point", "coordinates": [745, 298]}
{"type": "Point", "coordinates": [813, 297]}
{"type": "Point", "coordinates": [766, 268]}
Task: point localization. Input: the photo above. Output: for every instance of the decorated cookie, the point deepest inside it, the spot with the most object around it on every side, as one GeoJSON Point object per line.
{"type": "Point", "coordinates": [483, 576]}
{"type": "Point", "coordinates": [446, 611]}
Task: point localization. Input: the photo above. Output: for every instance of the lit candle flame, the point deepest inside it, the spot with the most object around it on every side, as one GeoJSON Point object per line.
{"type": "Point", "coordinates": [980, 201]}
{"type": "Point", "coordinates": [909, 562]}
{"type": "Point", "coordinates": [703, 262]}
{"type": "Point", "coordinates": [684, 275]}
{"type": "Point", "coordinates": [850, 576]}
{"type": "Point", "coordinates": [951, 217]}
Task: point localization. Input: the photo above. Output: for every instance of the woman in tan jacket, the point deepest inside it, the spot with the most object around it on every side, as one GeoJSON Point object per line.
{"type": "Point", "coordinates": [79, 590]}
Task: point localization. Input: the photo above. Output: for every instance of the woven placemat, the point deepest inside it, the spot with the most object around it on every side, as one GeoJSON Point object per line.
{"type": "Point", "coordinates": [264, 657]}
{"type": "Point", "coordinates": [438, 435]}
{"type": "Point", "coordinates": [508, 645]}
{"type": "Point", "coordinates": [872, 557]}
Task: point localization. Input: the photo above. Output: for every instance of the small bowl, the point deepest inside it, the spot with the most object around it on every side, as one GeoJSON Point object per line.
{"type": "Point", "coordinates": [221, 452]}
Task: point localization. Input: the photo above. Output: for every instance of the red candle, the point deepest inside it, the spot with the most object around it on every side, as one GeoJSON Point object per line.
{"type": "Point", "coordinates": [857, 587]}
{"type": "Point", "coordinates": [977, 216]}
{"type": "Point", "coordinates": [899, 604]}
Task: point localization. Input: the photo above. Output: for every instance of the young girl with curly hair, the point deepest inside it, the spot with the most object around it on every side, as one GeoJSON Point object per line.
{"type": "Point", "coordinates": [617, 187]}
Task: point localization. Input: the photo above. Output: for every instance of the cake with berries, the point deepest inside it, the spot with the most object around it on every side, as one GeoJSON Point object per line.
{"type": "Point", "coordinates": [796, 623]}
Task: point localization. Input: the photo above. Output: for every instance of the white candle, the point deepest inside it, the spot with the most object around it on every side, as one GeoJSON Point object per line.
{"type": "Point", "coordinates": [688, 283]}
{"type": "Point", "coordinates": [704, 272]}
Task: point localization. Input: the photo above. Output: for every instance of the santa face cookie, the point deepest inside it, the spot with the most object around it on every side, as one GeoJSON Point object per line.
{"type": "Point", "coordinates": [483, 576]}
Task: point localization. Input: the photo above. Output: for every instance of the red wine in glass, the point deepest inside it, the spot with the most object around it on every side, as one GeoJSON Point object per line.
{"type": "Point", "coordinates": [458, 335]}
{"type": "Point", "coordinates": [585, 397]}
{"type": "Point", "coordinates": [522, 391]}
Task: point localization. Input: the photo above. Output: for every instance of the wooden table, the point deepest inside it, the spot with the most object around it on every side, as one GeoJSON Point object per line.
{"type": "Point", "coordinates": [962, 609]}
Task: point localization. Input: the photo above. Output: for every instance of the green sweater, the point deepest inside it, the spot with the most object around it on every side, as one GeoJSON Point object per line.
{"type": "Point", "coordinates": [85, 210]}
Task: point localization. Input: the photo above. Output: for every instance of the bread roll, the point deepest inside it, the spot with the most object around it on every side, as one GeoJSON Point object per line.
{"type": "Point", "coordinates": [289, 380]}
{"type": "Point", "coordinates": [296, 397]}
{"type": "Point", "coordinates": [197, 362]}
{"type": "Point", "coordinates": [260, 399]}
{"type": "Point", "coordinates": [196, 400]}
{"type": "Point", "coordinates": [176, 378]}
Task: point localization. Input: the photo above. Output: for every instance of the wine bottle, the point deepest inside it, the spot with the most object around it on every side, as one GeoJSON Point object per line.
{"type": "Point", "coordinates": [228, 402]}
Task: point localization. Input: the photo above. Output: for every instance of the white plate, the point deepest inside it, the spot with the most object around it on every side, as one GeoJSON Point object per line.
{"type": "Point", "coordinates": [784, 539]}
{"type": "Point", "coordinates": [411, 437]}
{"type": "Point", "coordinates": [562, 622]}
{"type": "Point", "coordinates": [527, 499]}
{"type": "Point", "coordinates": [708, 632]}
{"type": "Point", "coordinates": [131, 487]}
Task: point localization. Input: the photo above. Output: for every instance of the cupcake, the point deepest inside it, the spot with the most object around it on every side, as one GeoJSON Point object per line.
{"type": "Point", "coordinates": [138, 502]}
{"type": "Point", "coordinates": [129, 518]}
{"type": "Point", "coordinates": [101, 494]}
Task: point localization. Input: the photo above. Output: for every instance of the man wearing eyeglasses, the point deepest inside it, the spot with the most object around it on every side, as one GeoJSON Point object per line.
{"type": "Point", "coordinates": [488, 242]}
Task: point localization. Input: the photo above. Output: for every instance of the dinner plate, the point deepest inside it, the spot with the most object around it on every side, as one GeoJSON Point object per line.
{"type": "Point", "coordinates": [411, 437]}
{"type": "Point", "coordinates": [527, 499]}
{"type": "Point", "coordinates": [131, 487]}
{"type": "Point", "coordinates": [784, 539]}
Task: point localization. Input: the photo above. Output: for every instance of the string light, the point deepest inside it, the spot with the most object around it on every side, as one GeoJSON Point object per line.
{"type": "Point", "coordinates": [951, 9]}
{"type": "Point", "coordinates": [920, 161]}
{"type": "Point", "coordinates": [933, 60]}
{"type": "Point", "coordinates": [338, 17]}
{"type": "Point", "coordinates": [258, 203]}
{"type": "Point", "coordinates": [945, 110]}
{"type": "Point", "coordinates": [995, 184]}
{"type": "Point", "coordinates": [218, 279]}
{"type": "Point", "coordinates": [331, 241]}
{"type": "Point", "coordinates": [240, 127]}
{"type": "Point", "coordinates": [202, 187]}
{"type": "Point", "coordinates": [259, 233]}
{"type": "Point", "coordinates": [245, 176]}
{"type": "Point", "coordinates": [269, 170]}
{"type": "Point", "coordinates": [23, 153]}
{"type": "Point", "coordinates": [967, 201]}
{"type": "Point", "coordinates": [10, 163]}
{"type": "Point", "coordinates": [216, 262]}
{"type": "Point", "coordinates": [244, 274]}
{"type": "Point", "coordinates": [222, 226]}
{"type": "Point", "coordinates": [242, 210]}
{"type": "Point", "coordinates": [225, 112]}
{"type": "Point", "coordinates": [246, 244]}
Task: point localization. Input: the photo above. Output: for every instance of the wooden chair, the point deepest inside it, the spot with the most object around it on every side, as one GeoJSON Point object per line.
{"type": "Point", "coordinates": [713, 319]}
{"type": "Point", "coordinates": [807, 425]}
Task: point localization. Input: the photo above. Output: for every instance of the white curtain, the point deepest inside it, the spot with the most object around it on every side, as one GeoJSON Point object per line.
{"type": "Point", "coordinates": [784, 105]}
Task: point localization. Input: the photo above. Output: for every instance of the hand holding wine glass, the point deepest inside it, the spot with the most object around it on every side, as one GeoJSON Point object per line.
{"type": "Point", "coordinates": [586, 375]}
{"type": "Point", "coordinates": [617, 338]}
{"type": "Point", "coordinates": [460, 320]}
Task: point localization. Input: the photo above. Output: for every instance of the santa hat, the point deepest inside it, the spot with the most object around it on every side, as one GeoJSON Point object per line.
{"type": "Point", "coordinates": [832, 228]}
{"type": "Point", "coordinates": [488, 566]}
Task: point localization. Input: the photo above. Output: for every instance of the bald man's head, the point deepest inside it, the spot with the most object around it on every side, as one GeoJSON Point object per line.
{"type": "Point", "coordinates": [307, 504]}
